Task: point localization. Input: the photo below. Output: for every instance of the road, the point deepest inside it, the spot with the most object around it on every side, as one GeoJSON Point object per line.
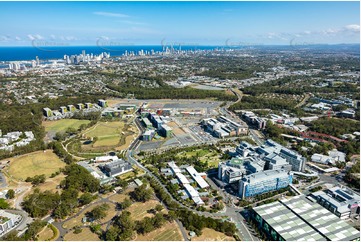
{"type": "Point", "coordinates": [303, 101]}
{"type": "Point", "coordinates": [232, 212]}
{"type": "Point", "coordinates": [255, 137]}
{"type": "Point", "coordinates": [59, 224]}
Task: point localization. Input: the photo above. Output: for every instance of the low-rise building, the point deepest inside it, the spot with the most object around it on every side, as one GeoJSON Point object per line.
{"type": "Point", "coordinates": [322, 159]}
{"type": "Point", "coordinates": [63, 110]}
{"type": "Point", "coordinates": [8, 221]}
{"type": "Point", "coordinates": [88, 105]}
{"type": "Point", "coordinates": [182, 179]}
{"type": "Point", "coordinates": [116, 168]}
{"type": "Point", "coordinates": [71, 108]}
{"type": "Point", "coordinates": [47, 112]}
{"type": "Point", "coordinates": [223, 127]}
{"type": "Point", "coordinates": [337, 155]}
{"type": "Point", "coordinates": [102, 103]}
{"type": "Point", "coordinates": [340, 201]}
{"type": "Point", "coordinates": [148, 135]}
{"type": "Point", "coordinates": [80, 106]}
{"type": "Point", "coordinates": [106, 158]}
{"type": "Point", "coordinates": [197, 177]}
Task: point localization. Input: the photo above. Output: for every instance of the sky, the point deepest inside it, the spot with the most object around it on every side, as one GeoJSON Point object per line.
{"type": "Point", "coordinates": [184, 23]}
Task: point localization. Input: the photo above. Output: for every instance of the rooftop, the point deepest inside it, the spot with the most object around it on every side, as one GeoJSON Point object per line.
{"type": "Point", "coordinates": [300, 219]}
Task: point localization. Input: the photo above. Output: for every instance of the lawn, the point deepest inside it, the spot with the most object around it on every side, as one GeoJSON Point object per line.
{"type": "Point", "coordinates": [212, 235]}
{"type": "Point", "coordinates": [35, 163]}
{"type": "Point", "coordinates": [63, 124]}
{"type": "Point", "coordinates": [78, 219]}
{"type": "Point", "coordinates": [85, 235]}
{"type": "Point", "coordinates": [45, 234]}
{"type": "Point", "coordinates": [51, 183]}
{"type": "Point", "coordinates": [168, 232]}
{"type": "Point", "coordinates": [131, 174]}
{"type": "Point", "coordinates": [119, 197]}
{"type": "Point", "coordinates": [139, 210]}
{"type": "Point", "coordinates": [108, 133]}
{"type": "Point", "coordinates": [204, 155]}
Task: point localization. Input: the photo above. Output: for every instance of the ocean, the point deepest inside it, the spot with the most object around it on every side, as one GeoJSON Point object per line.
{"type": "Point", "coordinates": [47, 53]}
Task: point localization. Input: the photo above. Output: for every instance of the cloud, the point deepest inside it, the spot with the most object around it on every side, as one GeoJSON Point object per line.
{"type": "Point", "coordinates": [132, 22]}
{"type": "Point", "coordinates": [17, 38]}
{"type": "Point", "coordinates": [4, 38]}
{"type": "Point", "coordinates": [109, 14]}
{"type": "Point", "coordinates": [34, 37]}
{"type": "Point", "coordinates": [353, 27]}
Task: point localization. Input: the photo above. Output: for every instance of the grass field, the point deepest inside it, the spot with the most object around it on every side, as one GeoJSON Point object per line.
{"type": "Point", "coordinates": [45, 234]}
{"type": "Point", "coordinates": [85, 235]}
{"type": "Point", "coordinates": [120, 197]}
{"type": "Point", "coordinates": [139, 210]}
{"type": "Point", "coordinates": [131, 135]}
{"type": "Point", "coordinates": [131, 174]}
{"type": "Point", "coordinates": [211, 156]}
{"type": "Point", "coordinates": [108, 133]}
{"type": "Point", "coordinates": [63, 124]}
{"type": "Point", "coordinates": [51, 183]}
{"type": "Point", "coordinates": [78, 219]}
{"type": "Point", "coordinates": [169, 232]}
{"type": "Point", "coordinates": [212, 235]}
{"type": "Point", "coordinates": [35, 163]}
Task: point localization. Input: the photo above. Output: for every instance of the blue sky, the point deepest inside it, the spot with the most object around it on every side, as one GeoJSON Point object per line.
{"type": "Point", "coordinates": [187, 23]}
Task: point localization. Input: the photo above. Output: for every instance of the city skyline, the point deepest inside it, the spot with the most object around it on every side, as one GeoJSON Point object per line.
{"type": "Point", "coordinates": [178, 23]}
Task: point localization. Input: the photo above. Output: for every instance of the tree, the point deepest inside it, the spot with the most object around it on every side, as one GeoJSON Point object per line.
{"type": "Point", "coordinates": [95, 228]}
{"type": "Point", "coordinates": [4, 204]}
{"type": "Point", "coordinates": [33, 229]}
{"type": "Point", "coordinates": [122, 183]}
{"type": "Point", "coordinates": [126, 203]}
{"type": "Point", "coordinates": [158, 220]}
{"type": "Point", "coordinates": [99, 212]}
{"type": "Point", "coordinates": [158, 207]}
{"type": "Point", "coordinates": [10, 194]}
{"type": "Point", "coordinates": [112, 234]}
{"type": "Point", "coordinates": [145, 226]}
{"type": "Point", "coordinates": [80, 178]}
{"type": "Point", "coordinates": [86, 198]}
{"type": "Point", "coordinates": [77, 230]}
{"type": "Point", "coordinates": [142, 193]}
{"type": "Point", "coordinates": [12, 236]}
{"type": "Point", "coordinates": [39, 204]}
{"type": "Point", "coordinates": [36, 180]}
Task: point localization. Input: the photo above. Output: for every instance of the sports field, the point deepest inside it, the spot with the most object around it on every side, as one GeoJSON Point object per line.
{"type": "Point", "coordinates": [168, 232]}
{"type": "Point", "coordinates": [35, 163]}
{"type": "Point", "coordinates": [63, 124]}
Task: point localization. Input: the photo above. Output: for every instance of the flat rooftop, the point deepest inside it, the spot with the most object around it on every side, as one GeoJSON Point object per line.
{"type": "Point", "coordinates": [300, 219]}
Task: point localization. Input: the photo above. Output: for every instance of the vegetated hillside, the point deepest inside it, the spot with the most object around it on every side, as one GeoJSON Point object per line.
{"type": "Point", "coordinates": [335, 126]}
{"type": "Point", "coordinates": [17, 117]}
